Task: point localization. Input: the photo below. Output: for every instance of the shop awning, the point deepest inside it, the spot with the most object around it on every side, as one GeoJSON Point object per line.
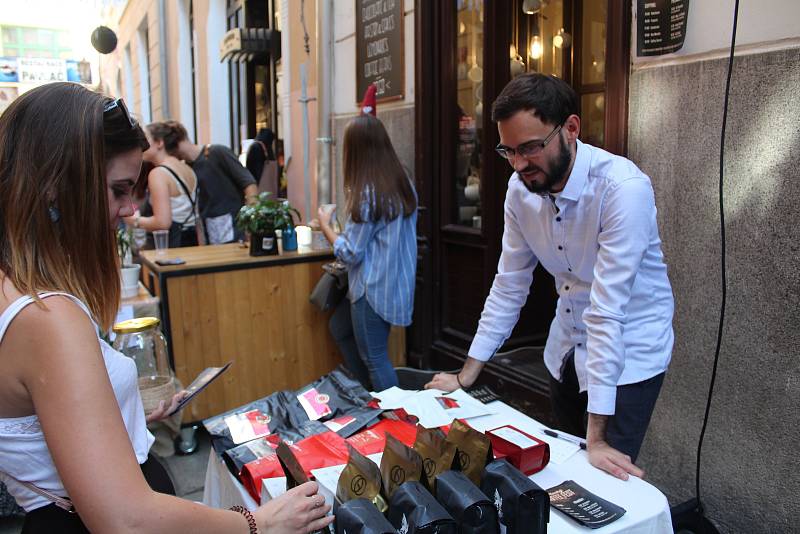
{"type": "Point", "coordinates": [246, 44]}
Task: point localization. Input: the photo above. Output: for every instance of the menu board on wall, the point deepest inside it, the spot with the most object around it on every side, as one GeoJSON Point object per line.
{"type": "Point", "coordinates": [379, 48]}
{"type": "Point", "coordinates": [660, 26]}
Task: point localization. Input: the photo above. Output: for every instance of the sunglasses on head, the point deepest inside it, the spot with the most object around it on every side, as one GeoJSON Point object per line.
{"type": "Point", "coordinates": [119, 104]}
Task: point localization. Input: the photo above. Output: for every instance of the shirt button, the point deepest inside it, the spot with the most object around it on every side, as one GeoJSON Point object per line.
{"type": "Point", "coordinates": [560, 247]}
{"type": "Point", "coordinates": [566, 288]}
{"type": "Point", "coordinates": [558, 219]}
{"type": "Point", "coordinates": [580, 344]}
{"type": "Point", "coordinates": [569, 269]}
{"type": "Point", "coordinates": [568, 310]}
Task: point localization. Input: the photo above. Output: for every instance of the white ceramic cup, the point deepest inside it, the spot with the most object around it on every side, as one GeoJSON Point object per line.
{"type": "Point", "coordinates": [303, 235]}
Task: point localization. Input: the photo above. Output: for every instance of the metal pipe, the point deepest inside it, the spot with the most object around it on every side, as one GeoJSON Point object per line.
{"type": "Point", "coordinates": [324, 59]}
{"type": "Point", "coordinates": [162, 54]}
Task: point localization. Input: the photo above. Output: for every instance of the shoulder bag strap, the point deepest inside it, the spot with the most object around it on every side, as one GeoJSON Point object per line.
{"type": "Point", "coordinates": [185, 190]}
{"type": "Point", "coordinates": [62, 502]}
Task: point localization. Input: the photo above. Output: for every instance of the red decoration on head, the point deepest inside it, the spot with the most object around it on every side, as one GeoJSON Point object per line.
{"type": "Point", "coordinates": [369, 105]}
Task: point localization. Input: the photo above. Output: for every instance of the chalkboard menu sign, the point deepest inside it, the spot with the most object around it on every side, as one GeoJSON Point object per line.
{"type": "Point", "coordinates": [660, 26]}
{"type": "Point", "coordinates": [379, 48]}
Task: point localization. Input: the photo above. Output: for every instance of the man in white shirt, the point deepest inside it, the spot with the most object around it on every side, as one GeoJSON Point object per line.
{"type": "Point", "coordinates": [589, 218]}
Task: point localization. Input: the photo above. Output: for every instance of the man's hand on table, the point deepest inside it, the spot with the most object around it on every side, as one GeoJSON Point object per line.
{"type": "Point", "coordinates": [463, 379]}
{"type": "Point", "coordinates": [444, 382]}
{"type": "Point", "coordinates": [605, 457]}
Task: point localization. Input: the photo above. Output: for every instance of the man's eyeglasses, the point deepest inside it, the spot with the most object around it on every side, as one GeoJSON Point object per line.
{"type": "Point", "coordinates": [528, 149]}
{"type": "Point", "coordinates": [119, 104]}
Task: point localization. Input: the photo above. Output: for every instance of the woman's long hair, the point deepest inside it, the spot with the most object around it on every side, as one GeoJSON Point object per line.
{"type": "Point", "coordinates": [55, 233]}
{"type": "Point", "coordinates": [373, 173]}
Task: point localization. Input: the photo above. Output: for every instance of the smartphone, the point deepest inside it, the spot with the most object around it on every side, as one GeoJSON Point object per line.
{"type": "Point", "coordinates": [173, 261]}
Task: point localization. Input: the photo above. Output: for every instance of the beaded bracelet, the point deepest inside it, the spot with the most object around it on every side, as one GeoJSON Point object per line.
{"type": "Point", "coordinates": [251, 521]}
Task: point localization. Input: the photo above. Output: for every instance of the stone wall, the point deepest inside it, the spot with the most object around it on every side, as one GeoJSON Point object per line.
{"type": "Point", "coordinates": [750, 480]}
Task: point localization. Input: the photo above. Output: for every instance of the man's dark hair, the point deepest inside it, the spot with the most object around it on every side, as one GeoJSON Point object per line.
{"type": "Point", "coordinates": [550, 99]}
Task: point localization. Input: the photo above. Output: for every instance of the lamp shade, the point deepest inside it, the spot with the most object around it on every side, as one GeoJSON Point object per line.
{"type": "Point", "coordinates": [104, 40]}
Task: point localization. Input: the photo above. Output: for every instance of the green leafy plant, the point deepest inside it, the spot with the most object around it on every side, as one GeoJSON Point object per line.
{"type": "Point", "coordinates": [124, 241]}
{"type": "Point", "coordinates": [266, 215]}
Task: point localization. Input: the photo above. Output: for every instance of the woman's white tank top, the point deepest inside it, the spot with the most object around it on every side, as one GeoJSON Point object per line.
{"type": "Point", "coordinates": [23, 451]}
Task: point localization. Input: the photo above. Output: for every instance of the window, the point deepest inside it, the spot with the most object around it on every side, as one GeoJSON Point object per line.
{"type": "Point", "coordinates": [469, 113]}
{"type": "Point", "coordinates": [143, 58]}
{"type": "Point", "coordinates": [35, 42]}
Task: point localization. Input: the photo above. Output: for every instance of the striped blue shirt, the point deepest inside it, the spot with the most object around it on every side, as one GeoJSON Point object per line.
{"type": "Point", "coordinates": [381, 258]}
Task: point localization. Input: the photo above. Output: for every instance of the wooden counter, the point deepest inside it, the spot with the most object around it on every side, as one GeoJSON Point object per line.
{"type": "Point", "coordinates": [223, 305]}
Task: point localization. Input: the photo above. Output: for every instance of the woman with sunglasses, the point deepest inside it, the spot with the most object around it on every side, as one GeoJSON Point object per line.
{"type": "Point", "coordinates": [72, 427]}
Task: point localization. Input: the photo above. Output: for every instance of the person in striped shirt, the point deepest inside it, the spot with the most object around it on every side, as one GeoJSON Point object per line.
{"type": "Point", "coordinates": [378, 245]}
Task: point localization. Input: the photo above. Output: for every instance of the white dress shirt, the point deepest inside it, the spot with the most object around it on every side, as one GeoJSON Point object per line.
{"type": "Point", "coordinates": [599, 239]}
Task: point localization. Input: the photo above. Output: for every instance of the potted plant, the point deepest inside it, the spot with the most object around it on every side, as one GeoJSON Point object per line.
{"type": "Point", "coordinates": [261, 219]}
{"type": "Point", "coordinates": [129, 271]}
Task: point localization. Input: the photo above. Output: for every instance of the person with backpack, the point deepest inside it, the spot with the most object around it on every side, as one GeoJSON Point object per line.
{"type": "Point", "coordinates": [225, 185]}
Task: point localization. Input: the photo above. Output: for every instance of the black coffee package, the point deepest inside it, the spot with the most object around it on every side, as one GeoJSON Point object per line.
{"type": "Point", "coordinates": [474, 450]}
{"type": "Point", "coordinates": [295, 474]}
{"type": "Point", "coordinates": [413, 510]}
{"type": "Point", "coordinates": [359, 516]}
{"type": "Point", "coordinates": [361, 479]}
{"type": "Point", "coordinates": [522, 506]}
{"type": "Point", "coordinates": [436, 452]}
{"type": "Point", "coordinates": [470, 507]}
{"type": "Point", "coordinates": [399, 464]}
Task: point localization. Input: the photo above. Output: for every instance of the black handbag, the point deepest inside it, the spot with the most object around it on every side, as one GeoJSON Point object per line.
{"type": "Point", "coordinates": [332, 286]}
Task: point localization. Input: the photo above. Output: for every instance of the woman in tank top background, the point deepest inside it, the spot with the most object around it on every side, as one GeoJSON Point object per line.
{"type": "Point", "coordinates": [71, 418]}
{"type": "Point", "coordinates": [172, 185]}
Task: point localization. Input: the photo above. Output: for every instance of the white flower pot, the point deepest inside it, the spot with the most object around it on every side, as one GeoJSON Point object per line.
{"type": "Point", "coordinates": [130, 280]}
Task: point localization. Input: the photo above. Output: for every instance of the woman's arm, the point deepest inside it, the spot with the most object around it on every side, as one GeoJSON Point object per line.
{"type": "Point", "coordinates": [158, 183]}
{"type": "Point", "coordinates": [64, 372]}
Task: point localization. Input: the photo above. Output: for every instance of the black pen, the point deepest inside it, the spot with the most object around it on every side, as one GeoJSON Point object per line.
{"type": "Point", "coordinates": [566, 437]}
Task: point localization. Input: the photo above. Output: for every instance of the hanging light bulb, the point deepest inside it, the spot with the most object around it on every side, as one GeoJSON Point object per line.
{"type": "Point", "coordinates": [536, 47]}
{"type": "Point", "coordinates": [462, 28]}
{"type": "Point", "coordinates": [475, 73]}
{"type": "Point", "coordinates": [512, 51]}
{"type": "Point", "coordinates": [562, 39]}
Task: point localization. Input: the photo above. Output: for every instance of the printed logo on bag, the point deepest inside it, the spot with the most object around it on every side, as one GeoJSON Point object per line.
{"type": "Point", "coordinates": [323, 398]}
{"type": "Point", "coordinates": [403, 526]}
{"type": "Point", "coordinates": [498, 503]}
{"type": "Point", "coordinates": [397, 475]}
{"type": "Point", "coordinates": [315, 404]}
{"type": "Point", "coordinates": [358, 484]}
{"type": "Point", "coordinates": [429, 466]}
{"type": "Point", "coordinates": [463, 460]}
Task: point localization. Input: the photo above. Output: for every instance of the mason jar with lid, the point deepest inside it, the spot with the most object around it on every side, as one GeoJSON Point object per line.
{"type": "Point", "coordinates": [141, 340]}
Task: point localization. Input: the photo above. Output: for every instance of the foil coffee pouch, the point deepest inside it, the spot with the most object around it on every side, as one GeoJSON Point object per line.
{"type": "Point", "coordinates": [359, 516]}
{"type": "Point", "coordinates": [361, 479]}
{"type": "Point", "coordinates": [474, 450]}
{"type": "Point", "coordinates": [413, 510]}
{"type": "Point", "coordinates": [399, 464]}
{"type": "Point", "coordinates": [522, 506]}
{"type": "Point", "coordinates": [471, 509]}
{"type": "Point", "coordinates": [436, 452]}
{"type": "Point", "coordinates": [295, 474]}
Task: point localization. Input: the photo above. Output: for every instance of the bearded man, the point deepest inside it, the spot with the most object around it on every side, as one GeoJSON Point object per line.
{"type": "Point", "coordinates": [589, 217]}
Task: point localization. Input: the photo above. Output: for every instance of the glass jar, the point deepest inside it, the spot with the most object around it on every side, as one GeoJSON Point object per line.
{"type": "Point", "coordinates": [141, 340]}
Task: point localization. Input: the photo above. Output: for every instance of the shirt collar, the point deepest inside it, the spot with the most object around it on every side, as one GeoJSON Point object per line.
{"type": "Point", "coordinates": [580, 170]}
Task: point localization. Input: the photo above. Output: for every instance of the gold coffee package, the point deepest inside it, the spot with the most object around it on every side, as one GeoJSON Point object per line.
{"type": "Point", "coordinates": [399, 464]}
{"type": "Point", "coordinates": [474, 450]}
{"type": "Point", "coordinates": [361, 479]}
{"type": "Point", "coordinates": [436, 452]}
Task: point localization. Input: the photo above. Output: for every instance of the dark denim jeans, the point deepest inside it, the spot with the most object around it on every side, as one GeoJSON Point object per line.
{"type": "Point", "coordinates": [634, 406]}
{"type": "Point", "coordinates": [363, 338]}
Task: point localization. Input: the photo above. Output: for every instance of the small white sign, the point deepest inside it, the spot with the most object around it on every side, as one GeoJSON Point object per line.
{"type": "Point", "coordinates": [513, 436]}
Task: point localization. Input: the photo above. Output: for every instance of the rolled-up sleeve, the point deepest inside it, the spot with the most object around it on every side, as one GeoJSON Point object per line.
{"type": "Point", "coordinates": [626, 221]}
{"type": "Point", "coordinates": [351, 245]}
{"type": "Point", "coordinates": [509, 290]}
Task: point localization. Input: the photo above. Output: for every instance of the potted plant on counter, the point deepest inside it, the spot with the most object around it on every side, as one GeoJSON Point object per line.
{"type": "Point", "coordinates": [261, 219]}
{"type": "Point", "coordinates": [129, 271]}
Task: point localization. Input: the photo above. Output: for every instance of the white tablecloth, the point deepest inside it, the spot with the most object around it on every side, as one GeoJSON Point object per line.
{"type": "Point", "coordinates": [647, 509]}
